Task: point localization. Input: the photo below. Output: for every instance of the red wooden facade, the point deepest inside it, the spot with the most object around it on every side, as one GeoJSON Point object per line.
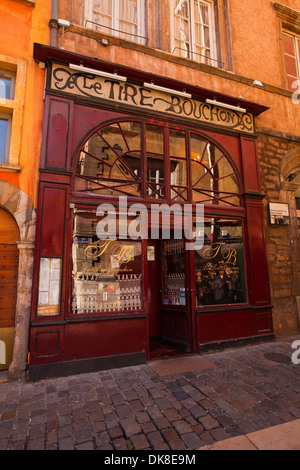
{"type": "Point", "coordinates": [63, 341]}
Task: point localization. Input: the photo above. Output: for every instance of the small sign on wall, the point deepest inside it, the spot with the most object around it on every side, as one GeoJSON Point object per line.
{"type": "Point", "coordinates": [279, 213]}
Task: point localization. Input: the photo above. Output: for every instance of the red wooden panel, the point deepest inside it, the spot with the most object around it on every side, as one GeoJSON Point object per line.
{"type": "Point", "coordinates": [180, 327]}
{"type": "Point", "coordinates": [57, 133]}
{"type": "Point", "coordinates": [53, 222]}
{"type": "Point", "coordinates": [222, 326]}
{"type": "Point", "coordinates": [257, 252]}
{"type": "Point", "coordinates": [250, 165]}
{"type": "Point", "coordinates": [104, 338]}
{"type": "Point", "coordinates": [47, 344]}
{"type": "Point", "coordinates": [264, 322]}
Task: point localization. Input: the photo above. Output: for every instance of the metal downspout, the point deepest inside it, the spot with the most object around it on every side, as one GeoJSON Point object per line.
{"type": "Point", "coordinates": [54, 23]}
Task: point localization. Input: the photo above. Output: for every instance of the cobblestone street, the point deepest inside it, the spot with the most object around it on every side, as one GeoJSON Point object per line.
{"type": "Point", "coordinates": [238, 391]}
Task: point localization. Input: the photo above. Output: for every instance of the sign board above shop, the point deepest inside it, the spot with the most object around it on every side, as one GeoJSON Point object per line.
{"type": "Point", "coordinates": [88, 85]}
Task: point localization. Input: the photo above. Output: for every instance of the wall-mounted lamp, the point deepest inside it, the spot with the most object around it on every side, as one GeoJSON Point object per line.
{"type": "Point", "coordinates": [291, 177]}
{"type": "Point", "coordinates": [255, 83]}
{"type": "Point", "coordinates": [224, 105]}
{"type": "Point", "coordinates": [114, 76]}
{"type": "Point", "coordinates": [167, 90]}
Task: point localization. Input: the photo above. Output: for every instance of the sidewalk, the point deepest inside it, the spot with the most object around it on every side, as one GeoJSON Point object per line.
{"type": "Point", "coordinates": [282, 437]}
{"type": "Point", "coordinates": [239, 398]}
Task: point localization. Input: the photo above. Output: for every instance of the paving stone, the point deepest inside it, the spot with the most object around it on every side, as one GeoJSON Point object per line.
{"type": "Point", "coordinates": [208, 422]}
{"type": "Point", "coordinates": [148, 427]}
{"type": "Point", "coordinates": [130, 426]}
{"type": "Point", "coordinates": [155, 438]}
{"type": "Point", "coordinates": [85, 446]}
{"type": "Point", "coordinates": [140, 442]}
{"type": "Point", "coordinates": [182, 427]}
{"type": "Point", "coordinates": [191, 440]}
{"type": "Point", "coordinates": [119, 444]}
{"type": "Point", "coordinates": [169, 434]}
{"type": "Point", "coordinates": [115, 432]}
{"type": "Point", "coordinates": [123, 411]}
{"type": "Point", "coordinates": [177, 444]}
{"type": "Point", "coordinates": [219, 434]}
{"type": "Point", "coordinates": [197, 412]}
{"type": "Point", "coordinates": [36, 444]}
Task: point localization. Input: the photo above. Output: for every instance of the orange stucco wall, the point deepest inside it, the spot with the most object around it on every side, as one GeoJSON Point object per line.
{"type": "Point", "coordinates": [253, 44]}
{"type": "Point", "coordinates": [21, 25]}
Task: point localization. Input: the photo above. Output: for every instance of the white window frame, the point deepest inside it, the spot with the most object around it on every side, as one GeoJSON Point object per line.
{"type": "Point", "coordinates": [295, 37]}
{"type": "Point", "coordinates": [7, 74]}
{"type": "Point", "coordinates": [114, 30]}
{"type": "Point", "coordinates": [8, 118]}
{"type": "Point", "coordinates": [192, 54]}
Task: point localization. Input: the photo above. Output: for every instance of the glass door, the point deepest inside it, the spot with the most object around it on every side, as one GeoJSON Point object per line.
{"type": "Point", "coordinates": [175, 316]}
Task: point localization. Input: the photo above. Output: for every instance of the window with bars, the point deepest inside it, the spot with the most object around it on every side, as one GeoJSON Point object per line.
{"type": "Point", "coordinates": [121, 18]}
{"type": "Point", "coordinates": [194, 30]}
{"type": "Point", "coordinates": [291, 46]}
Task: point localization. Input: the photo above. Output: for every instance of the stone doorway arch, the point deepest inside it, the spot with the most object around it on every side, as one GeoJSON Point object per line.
{"type": "Point", "coordinates": [289, 173]}
{"type": "Point", "coordinates": [20, 206]}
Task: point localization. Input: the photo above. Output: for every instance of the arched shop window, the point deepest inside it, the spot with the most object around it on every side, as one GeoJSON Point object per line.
{"type": "Point", "coordinates": [110, 161]}
{"type": "Point", "coordinates": [156, 162]}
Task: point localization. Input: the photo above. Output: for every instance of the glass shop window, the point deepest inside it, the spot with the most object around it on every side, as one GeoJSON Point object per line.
{"type": "Point", "coordinates": [213, 179]}
{"type": "Point", "coordinates": [107, 274]}
{"type": "Point", "coordinates": [155, 162]}
{"type": "Point", "coordinates": [178, 165]}
{"type": "Point", "coordinates": [173, 273]}
{"type": "Point", "coordinates": [110, 161]}
{"type": "Point", "coordinates": [219, 264]}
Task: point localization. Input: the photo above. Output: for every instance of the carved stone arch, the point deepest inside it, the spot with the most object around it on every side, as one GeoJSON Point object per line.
{"type": "Point", "coordinates": [289, 175]}
{"type": "Point", "coordinates": [290, 165]}
{"type": "Point", "coordinates": [20, 206]}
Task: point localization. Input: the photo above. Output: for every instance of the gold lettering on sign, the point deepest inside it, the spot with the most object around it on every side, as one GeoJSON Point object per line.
{"type": "Point", "coordinates": [118, 252]}
{"type": "Point", "coordinates": [228, 254]}
{"type": "Point", "coordinates": [212, 251]}
{"type": "Point", "coordinates": [111, 90]}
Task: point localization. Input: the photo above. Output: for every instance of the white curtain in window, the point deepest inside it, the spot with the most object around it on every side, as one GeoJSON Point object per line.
{"type": "Point", "coordinates": [193, 29]}
{"type": "Point", "coordinates": [128, 17]}
{"type": "Point", "coordinates": [182, 28]}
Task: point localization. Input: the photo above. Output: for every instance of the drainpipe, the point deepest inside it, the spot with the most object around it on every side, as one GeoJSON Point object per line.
{"type": "Point", "coordinates": [54, 24]}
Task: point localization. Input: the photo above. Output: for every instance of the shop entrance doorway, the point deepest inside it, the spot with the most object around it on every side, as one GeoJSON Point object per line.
{"type": "Point", "coordinates": [169, 306]}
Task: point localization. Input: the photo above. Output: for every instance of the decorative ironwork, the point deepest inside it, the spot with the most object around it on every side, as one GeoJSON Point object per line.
{"type": "Point", "coordinates": [118, 159]}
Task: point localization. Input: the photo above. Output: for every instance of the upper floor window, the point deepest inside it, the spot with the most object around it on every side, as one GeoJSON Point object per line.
{"type": "Point", "coordinates": [291, 44]}
{"type": "Point", "coordinates": [194, 30]}
{"type": "Point", "coordinates": [7, 91]}
{"type": "Point", "coordinates": [122, 18]}
{"type": "Point", "coordinates": [7, 84]}
{"type": "Point", "coordinates": [5, 128]}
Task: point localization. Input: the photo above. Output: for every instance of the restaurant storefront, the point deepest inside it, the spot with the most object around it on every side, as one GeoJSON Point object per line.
{"type": "Point", "coordinates": [121, 154]}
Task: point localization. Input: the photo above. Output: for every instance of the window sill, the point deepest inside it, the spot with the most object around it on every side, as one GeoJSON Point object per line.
{"type": "Point", "coordinates": [29, 3]}
{"type": "Point", "coordinates": [10, 168]}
